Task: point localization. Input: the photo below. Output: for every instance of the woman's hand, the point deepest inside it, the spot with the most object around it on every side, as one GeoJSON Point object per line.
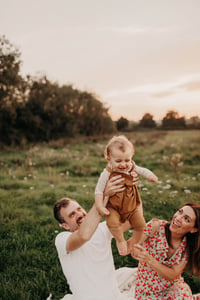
{"type": "Point", "coordinates": [114, 185]}
{"type": "Point", "coordinates": [139, 253]}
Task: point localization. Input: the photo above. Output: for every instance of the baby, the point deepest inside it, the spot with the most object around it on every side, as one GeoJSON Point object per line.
{"type": "Point", "coordinates": [127, 204]}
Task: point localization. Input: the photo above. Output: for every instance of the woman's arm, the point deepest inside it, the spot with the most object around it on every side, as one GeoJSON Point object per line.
{"type": "Point", "coordinates": [168, 273]}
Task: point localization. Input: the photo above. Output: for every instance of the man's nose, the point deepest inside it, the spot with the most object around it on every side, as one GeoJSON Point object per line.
{"type": "Point", "coordinates": [79, 213]}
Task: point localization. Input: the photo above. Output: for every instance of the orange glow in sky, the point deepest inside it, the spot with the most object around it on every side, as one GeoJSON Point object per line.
{"type": "Point", "coordinates": [137, 56]}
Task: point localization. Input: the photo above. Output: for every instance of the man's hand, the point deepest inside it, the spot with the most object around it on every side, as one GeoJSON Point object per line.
{"type": "Point", "coordinates": [114, 185]}
{"type": "Point", "coordinates": [135, 177]}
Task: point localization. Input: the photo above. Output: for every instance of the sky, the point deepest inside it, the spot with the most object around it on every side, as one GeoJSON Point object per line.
{"type": "Point", "coordinates": [136, 56]}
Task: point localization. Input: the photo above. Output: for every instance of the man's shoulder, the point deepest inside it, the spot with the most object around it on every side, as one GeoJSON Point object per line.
{"type": "Point", "coordinates": [60, 242]}
{"type": "Point", "coordinates": [63, 235]}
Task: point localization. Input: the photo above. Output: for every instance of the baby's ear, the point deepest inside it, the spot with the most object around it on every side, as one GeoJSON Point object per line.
{"type": "Point", "coordinates": [108, 158]}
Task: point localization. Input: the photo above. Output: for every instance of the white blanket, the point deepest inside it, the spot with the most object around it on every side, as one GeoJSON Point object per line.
{"type": "Point", "coordinates": [126, 282]}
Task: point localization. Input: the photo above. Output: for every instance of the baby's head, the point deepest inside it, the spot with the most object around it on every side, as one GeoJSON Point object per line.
{"type": "Point", "coordinates": [119, 151]}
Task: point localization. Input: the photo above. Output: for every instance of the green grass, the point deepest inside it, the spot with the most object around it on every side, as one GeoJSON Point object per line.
{"type": "Point", "coordinates": [32, 179]}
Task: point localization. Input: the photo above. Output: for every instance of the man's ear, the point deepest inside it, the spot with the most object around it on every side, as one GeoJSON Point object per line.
{"type": "Point", "coordinates": [65, 226]}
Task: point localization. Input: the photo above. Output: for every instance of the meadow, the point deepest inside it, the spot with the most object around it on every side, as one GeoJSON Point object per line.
{"type": "Point", "coordinates": [32, 178]}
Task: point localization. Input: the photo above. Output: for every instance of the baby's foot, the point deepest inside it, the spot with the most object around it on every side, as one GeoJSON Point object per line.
{"type": "Point", "coordinates": [122, 247]}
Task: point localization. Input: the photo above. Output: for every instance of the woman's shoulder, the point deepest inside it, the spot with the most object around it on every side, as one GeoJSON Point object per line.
{"type": "Point", "coordinates": [155, 224]}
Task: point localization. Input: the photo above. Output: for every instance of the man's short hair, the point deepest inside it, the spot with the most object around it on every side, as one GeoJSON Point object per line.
{"type": "Point", "coordinates": [63, 202]}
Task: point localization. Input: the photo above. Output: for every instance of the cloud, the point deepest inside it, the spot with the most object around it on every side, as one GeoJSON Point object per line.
{"type": "Point", "coordinates": [188, 83]}
{"type": "Point", "coordinates": [163, 94]}
{"type": "Point", "coordinates": [191, 86]}
{"type": "Point", "coordinates": [133, 30]}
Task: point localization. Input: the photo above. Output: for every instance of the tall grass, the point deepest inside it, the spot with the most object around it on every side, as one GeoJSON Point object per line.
{"type": "Point", "coordinates": [32, 179]}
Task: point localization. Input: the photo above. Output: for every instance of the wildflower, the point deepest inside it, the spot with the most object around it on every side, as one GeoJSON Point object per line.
{"type": "Point", "coordinates": [167, 187]}
{"type": "Point", "coordinates": [173, 193]}
{"type": "Point", "coordinates": [144, 189]}
{"type": "Point", "coordinates": [187, 191]}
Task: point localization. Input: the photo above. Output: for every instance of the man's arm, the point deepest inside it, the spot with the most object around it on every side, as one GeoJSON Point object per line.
{"type": "Point", "coordinates": [85, 231]}
{"type": "Point", "coordinates": [92, 219]}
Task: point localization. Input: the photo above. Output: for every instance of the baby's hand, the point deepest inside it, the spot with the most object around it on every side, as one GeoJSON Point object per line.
{"type": "Point", "coordinates": [153, 178]}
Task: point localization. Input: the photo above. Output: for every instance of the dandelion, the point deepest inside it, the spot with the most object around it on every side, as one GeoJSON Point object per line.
{"type": "Point", "coordinates": [144, 189]}
{"type": "Point", "coordinates": [176, 163]}
{"type": "Point", "coordinates": [167, 187]}
{"type": "Point", "coordinates": [187, 191]}
{"type": "Point", "coordinates": [173, 194]}
{"type": "Point", "coordinates": [140, 185]}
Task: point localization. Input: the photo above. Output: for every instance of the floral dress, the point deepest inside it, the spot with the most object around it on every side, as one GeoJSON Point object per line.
{"type": "Point", "coordinates": [149, 284]}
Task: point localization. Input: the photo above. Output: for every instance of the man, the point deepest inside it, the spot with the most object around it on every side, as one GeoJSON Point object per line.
{"type": "Point", "coordinates": [85, 252]}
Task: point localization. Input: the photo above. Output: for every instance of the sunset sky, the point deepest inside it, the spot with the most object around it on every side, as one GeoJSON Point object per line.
{"type": "Point", "coordinates": [137, 56]}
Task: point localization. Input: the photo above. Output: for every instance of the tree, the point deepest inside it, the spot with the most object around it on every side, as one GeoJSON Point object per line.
{"type": "Point", "coordinates": [194, 122]}
{"type": "Point", "coordinates": [147, 121]}
{"type": "Point", "coordinates": [39, 110]}
{"type": "Point", "coordinates": [173, 121]}
{"type": "Point", "coordinates": [53, 112]}
{"type": "Point", "coordinates": [11, 90]}
{"type": "Point", "coordinates": [122, 124]}
{"type": "Point", "coordinates": [93, 116]}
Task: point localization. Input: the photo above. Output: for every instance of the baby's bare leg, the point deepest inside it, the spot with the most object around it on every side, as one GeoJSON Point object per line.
{"type": "Point", "coordinates": [114, 225]}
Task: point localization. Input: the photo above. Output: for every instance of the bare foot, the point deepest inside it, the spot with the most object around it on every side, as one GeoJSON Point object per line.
{"type": "Point", "coordinates": [122, 247]}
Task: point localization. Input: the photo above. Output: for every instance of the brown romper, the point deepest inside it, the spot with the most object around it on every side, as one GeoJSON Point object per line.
{"type": "Point", "coordinates": [125, 205]}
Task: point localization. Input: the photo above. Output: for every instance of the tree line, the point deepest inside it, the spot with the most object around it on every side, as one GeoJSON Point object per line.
{"type": "Point", "coordinates": [36, 109]}
{"type": "Point", "coordinates": [171, 121]}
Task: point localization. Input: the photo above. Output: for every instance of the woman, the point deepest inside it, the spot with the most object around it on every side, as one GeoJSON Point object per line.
{"type": "Point", "coordinates": [169, 249]}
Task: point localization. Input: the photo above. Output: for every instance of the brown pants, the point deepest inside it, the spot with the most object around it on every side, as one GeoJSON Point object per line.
{"type": "Point", "coordinates": [126, 205]}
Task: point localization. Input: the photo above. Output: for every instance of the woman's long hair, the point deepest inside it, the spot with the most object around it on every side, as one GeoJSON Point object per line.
{"type": "Point", "coordinates": [193, 241]}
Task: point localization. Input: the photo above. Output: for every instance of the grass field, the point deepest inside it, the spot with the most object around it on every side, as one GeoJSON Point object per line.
{"type": "Point", "coordinates": [33, 178]}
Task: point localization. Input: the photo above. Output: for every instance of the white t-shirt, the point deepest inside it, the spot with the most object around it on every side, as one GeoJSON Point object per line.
{"type": "Point", "coordinates": [89, 269]}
